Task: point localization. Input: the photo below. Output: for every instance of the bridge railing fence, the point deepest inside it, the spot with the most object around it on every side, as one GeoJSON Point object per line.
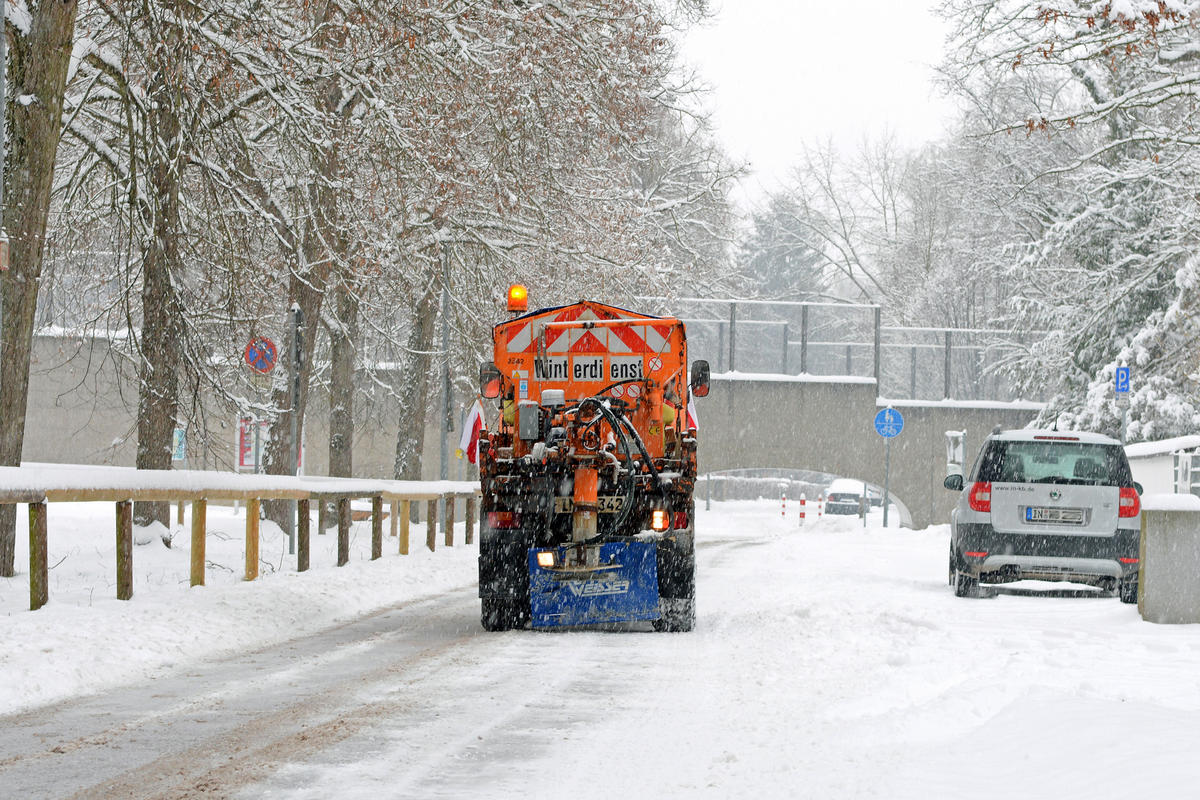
{"type": "Point", "coordinates": [849, 340]}
{"type": "Point", "coordinates": [38, 485]}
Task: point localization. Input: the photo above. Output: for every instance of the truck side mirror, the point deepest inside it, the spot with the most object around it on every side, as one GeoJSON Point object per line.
{"type": "Point", "coordinates": [700, 378]}
{"type": "Point", "coordinates": [489, 381]}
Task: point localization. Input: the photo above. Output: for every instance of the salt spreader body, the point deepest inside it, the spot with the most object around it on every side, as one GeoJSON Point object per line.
{"type": "Point", "coordinates": [588, 472]}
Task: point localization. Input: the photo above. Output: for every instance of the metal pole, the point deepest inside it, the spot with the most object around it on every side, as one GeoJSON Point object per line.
{"type": "Point", "coordinates": [720, 347]}
{"type": "Point", "coordinates": [784, 365]}
{"type": "Point", "coordinates": [887, 476]}
{"type": "Point", "coordinates": [444, 454]}
{"type": "Point", "coordinates": [946, 371]}
{"type": "Point", "coordinates": [294, 454]}
{"type": "Point", "coordinates": [804, 339]}
{"type": "Point", "coordinates": [878, 332]}
{"type": "Point", "coordinates": [708, 492]}
{"type": "Point", "coordinates": [912, 373]}
{"type": "Point", "coordinates": [732, 335]}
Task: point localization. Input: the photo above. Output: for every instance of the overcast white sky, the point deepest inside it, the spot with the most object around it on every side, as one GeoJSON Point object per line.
{"type": "Point", "coordinates": [790, 72]}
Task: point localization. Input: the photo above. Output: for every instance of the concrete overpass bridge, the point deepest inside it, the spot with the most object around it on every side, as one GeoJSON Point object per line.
{"type": "Point", "coordinates": [826, 425]}
{"type": "Point", "coordinates": [796, 385]}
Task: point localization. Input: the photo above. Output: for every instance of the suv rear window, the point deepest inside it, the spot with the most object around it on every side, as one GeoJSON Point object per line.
{"type": "Point", "coordinates": [1054, 462]}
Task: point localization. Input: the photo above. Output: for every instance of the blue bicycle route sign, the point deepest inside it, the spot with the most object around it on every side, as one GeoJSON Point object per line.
{"type": "Point", "coordinates": [260, 354]}
{"type": "Point", "coordinates": [1122, 380]}
{"type": "Point", "coordinates": [888, 423]}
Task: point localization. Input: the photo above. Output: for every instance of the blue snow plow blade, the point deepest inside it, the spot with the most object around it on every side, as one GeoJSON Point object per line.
{"type": "Point", "coordinates": [622, 588]}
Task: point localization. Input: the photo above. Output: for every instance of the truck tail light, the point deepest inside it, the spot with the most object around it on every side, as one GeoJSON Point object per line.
{"type": "Point", "coordinates": [1129, 504]}
{"type": "Point", "coordinates": [979, 498]}
{"type": "Point", "coordinates": [659, 519]}
{"type": "Point", "coordinates": [681, 520]}
{"type": "Point", "coordinates": [504, 519]}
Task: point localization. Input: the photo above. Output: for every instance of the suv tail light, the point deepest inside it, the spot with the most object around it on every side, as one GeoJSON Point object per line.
{"type": "Point", "coordinates": [1129, 503]}
{"type": "Point", "coordinates": [979, 498]}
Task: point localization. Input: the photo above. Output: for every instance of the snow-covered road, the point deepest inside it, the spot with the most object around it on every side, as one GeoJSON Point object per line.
{"type": "Point", "coordinates": [828, 662]}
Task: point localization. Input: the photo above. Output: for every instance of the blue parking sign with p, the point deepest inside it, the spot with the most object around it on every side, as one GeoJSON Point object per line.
{"type": "Point", "coordinates": [1122, 380]}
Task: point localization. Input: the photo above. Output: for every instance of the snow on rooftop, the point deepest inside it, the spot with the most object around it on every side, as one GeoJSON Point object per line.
{"type": "Point", "coordinates": [779, 378]}
{"type": "Point", "coordinates": [1161, 447]}
{"type": "Point", "coordinates": [1170, 502]}
{"type": "Point", "coordinates": [999, 405]}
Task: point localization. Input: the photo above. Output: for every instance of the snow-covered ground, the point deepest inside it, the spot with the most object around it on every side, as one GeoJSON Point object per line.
{"type": "Point", "coordinates": [829, 661]}
{"type": "Point", "coordinates": [85, 639]}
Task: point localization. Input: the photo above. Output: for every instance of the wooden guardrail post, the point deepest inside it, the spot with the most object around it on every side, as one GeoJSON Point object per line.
{"type": "Point", "coordinates": [322, 516]}
{"type": "Point", "coordinates": [405, 511]}
{"type": "Point", "coordinates": [252, 507]}
{"type": "Point", "coordinates": [470, 520]}
{"type": "Point", "coordinates": [199, 538]}
{"type": "Point", "coordinates": [394, 509]}
{"type": "Point", "coordinates": [376, 528]}
{"type": "Point", "coordinates": [431, 525]}
{"type": "Point", "coordinates": [179, 514]}
{"type": "Point", "coordinates": [448, 524]}
{"type": "Point", "coordinates": [124, 549]}
{"type": "Point", "coordinates": [39, 571]}
{"type": "Point", "coordinates": [303, 514]}
{"type": "Point", "coordinates": [343, 520]}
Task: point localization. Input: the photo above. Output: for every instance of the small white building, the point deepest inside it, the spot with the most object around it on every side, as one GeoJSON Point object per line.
{"type": "Point", "coordinates": [1169, 466]}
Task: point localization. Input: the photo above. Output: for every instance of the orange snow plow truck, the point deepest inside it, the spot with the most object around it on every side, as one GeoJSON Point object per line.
{"type": "Point", "coordinates": [588, 472]}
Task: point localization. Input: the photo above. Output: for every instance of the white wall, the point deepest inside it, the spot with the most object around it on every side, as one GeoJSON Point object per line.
{"type": "Point", "coordinates": [1155, 473]}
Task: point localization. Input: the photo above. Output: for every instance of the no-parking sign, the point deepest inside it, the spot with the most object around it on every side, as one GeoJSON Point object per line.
{"type": "Point", "coordinates": [260, 354]}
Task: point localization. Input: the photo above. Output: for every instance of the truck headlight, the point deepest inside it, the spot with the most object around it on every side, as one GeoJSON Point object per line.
{"type": "Point", "coordinates": [545, 558]}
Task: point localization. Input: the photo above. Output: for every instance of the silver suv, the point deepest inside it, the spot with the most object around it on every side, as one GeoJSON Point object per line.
{"type": "Point", "coordinates": [1048, 505]}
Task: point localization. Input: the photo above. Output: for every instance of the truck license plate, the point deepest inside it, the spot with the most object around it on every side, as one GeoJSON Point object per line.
{"type": "Point", "coordinates": [1064, 516]}
{"type": "Point", "coordinates": [607, 503]}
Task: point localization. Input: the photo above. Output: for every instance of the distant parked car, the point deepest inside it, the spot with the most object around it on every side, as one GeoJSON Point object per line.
{"type": "Point", "coordinates": [844, 497]}
{"type": "Point", "coordinates": [1048, 505]}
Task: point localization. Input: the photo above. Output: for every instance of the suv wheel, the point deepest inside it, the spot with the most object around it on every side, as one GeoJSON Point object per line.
{"type": "Point", "coordinates": [1128, 589]}
{"type": "Point", "coordinates": [966, 585]}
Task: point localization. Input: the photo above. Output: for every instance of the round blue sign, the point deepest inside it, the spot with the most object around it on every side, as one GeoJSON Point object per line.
{"type": "Point", "coordinates": [889, 423]}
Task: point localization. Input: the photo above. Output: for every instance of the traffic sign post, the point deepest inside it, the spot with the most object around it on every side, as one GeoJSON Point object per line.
{"type": "Point", "coordinates": [1121, 389]}
{"type": "Point", "coordinates": [888, 423]}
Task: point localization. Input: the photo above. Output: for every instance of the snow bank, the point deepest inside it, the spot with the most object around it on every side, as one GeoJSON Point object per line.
{"type": "Point", "coordinates": [1170, 502]}
{"type": "Point", "coordinates": [85, 640]}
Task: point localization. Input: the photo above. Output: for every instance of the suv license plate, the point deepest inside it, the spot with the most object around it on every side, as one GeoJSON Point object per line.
{"type": "Point", "coordinates": [1065, 516]}
{"type": "Point", "coordinates": [608, 504]}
